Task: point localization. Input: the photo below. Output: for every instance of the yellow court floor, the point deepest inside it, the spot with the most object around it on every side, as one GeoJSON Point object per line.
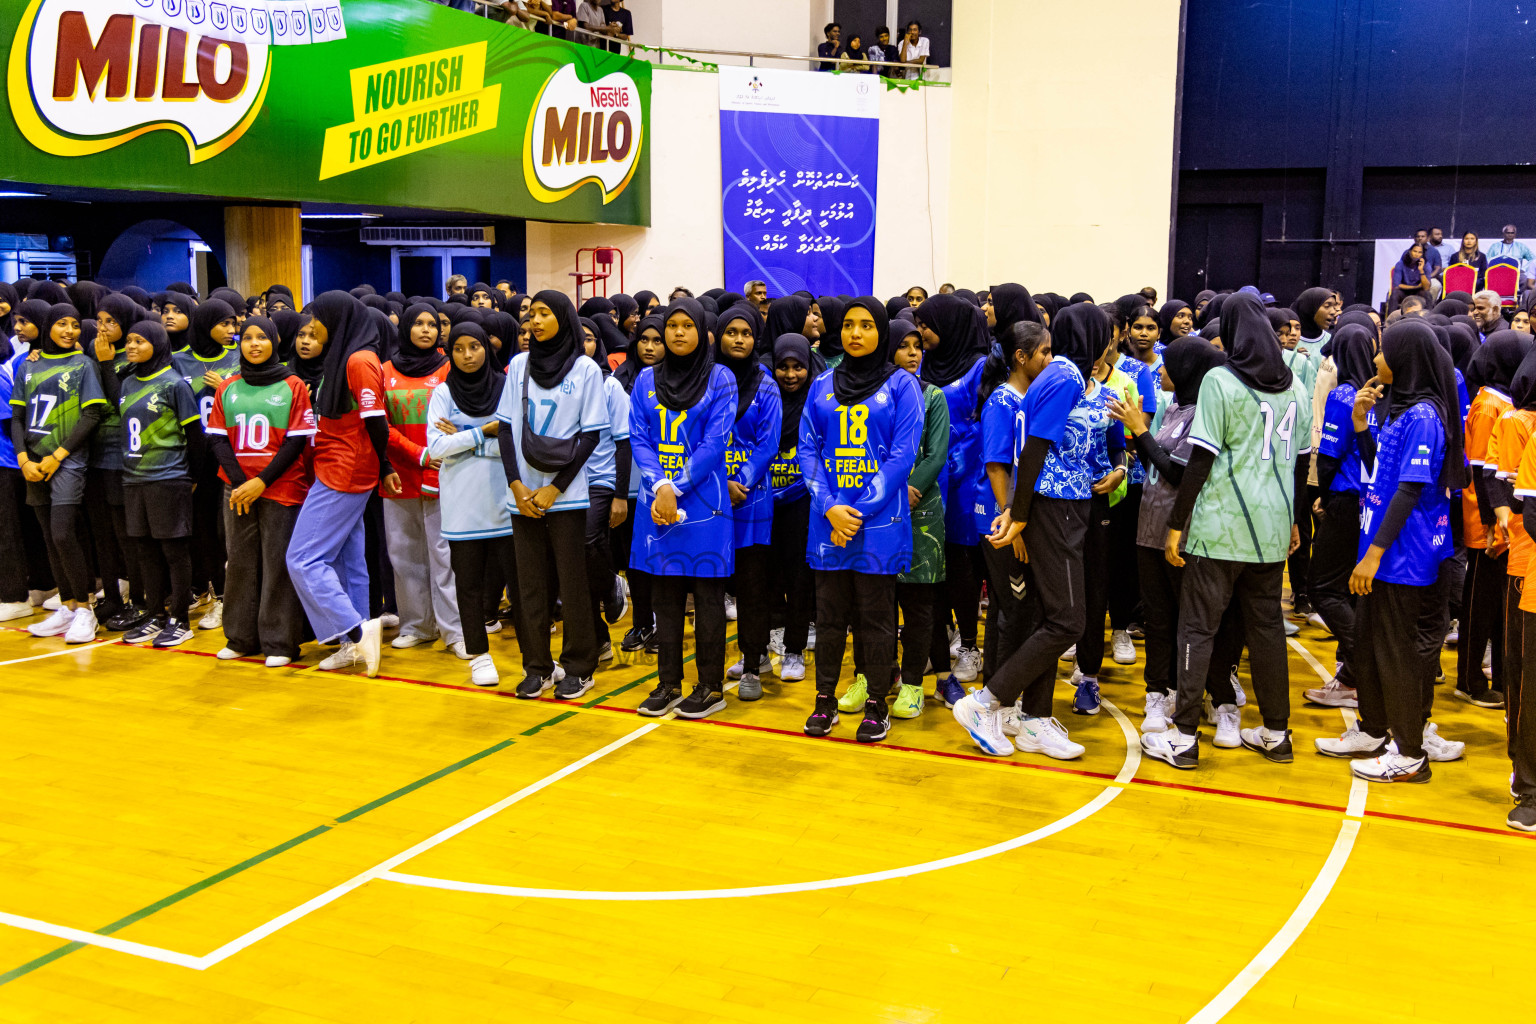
{"type": "Point", "coordinates": [184, 839]}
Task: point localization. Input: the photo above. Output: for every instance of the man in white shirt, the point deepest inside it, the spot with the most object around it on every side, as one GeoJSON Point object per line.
{"type": "Point", "coordinates": [913, 49]}
{"type": "Point", "coordinates": [1507, 246]}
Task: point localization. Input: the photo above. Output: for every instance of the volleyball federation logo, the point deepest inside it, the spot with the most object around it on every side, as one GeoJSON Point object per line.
{"type": "Point", "coordinates": [85, 77]}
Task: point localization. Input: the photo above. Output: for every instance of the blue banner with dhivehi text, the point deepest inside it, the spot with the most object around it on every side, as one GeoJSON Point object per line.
{"type": "Point", "coordinates": [799, 159]}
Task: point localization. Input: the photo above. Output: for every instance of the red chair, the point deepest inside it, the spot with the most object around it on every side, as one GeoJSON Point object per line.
{"type": "Point", "coordinates": [1503, 276]}
{"type": "Point", "coordinates": [1461, 277]}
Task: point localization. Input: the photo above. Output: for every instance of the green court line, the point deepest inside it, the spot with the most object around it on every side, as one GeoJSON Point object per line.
{"type": "Point", "coordinates": [229, 872]}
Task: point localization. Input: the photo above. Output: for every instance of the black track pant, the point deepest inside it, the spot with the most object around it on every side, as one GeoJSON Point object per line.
{"type": "Point", "coordinates": [1008, 608]}
{"type": "Point", "coordinates": [167, 569]}
{"type": "Point", "coordinates": [754, 602]}
{"type": "Point", "coordinates": [14, 513]}
{"type": "Point", "coordinates": [1335, 550]}
{"type": "Point", "coordinates": [261, 609]}
{"type": "Point", "coordinates": [671, 597]}
{"type": "Point", "coordinates": [1520, 710]}
{"type": "Point", "coordinates": [549, 549]}
{"type": "Point", "coordinates": [109, 536]}
{"type": "Point", "coordinates": [867, 603]}
{"type": "Point", "coordinates": [1393, 676]}
{"type": "Point", "coordinates": [208, 547]}
{"type": "Point", "coordinates": [1210, 585]}
{"type": "Point", "coordinates": [1160, 587]}
{"type": "Point", "coordinates": [1300, 563]}
{"type": "Point", "coordinates": [479, 603]}
{"type": "Point", "coordinates": [915, 601]}
{"type": "Point", "coordinates": [599, 557]}
{"type": "Point", "coordinates": [1123, 597]}
{"type": "Point", "coordinates": [1483, 620]}
{"type": "Point", "coordinates": [1053, 540]}
{"type": "Point", "coordinates": [1096, 587]}
{"type": "Point", "coordinates": [794, 585]}
{"type": "Point", "coordinates": [66, 552]}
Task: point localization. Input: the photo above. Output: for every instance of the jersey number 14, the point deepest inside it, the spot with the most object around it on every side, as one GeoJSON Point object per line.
{"type": "Point", "coordinates": [1272, 430]}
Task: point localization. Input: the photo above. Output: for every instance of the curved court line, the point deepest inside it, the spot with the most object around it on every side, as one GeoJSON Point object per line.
{"type": "Point", "coordinates": [1311, 903]}
{"type": "Point", "coordinates": [1112, 790]}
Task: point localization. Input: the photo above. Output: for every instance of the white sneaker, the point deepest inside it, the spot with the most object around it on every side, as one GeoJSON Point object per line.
{"type": "Point", "coordinates": [810, 638]}
{"type": "Point", "coordinates": [214, 618]}
{"type": "Point", "coordinates": [278, 661]}
{"type": "Point", "coordinates": [56, 624]}
{"type": "Point", "coordinates": [14, 610]}
{"type": "Point", "coordinates": [1454, 635]}
{"type": "Point", "coordinates": [730, 608]}
{"type": "Point", "coordinates": [1159, 714]}
{"type": "Point", "coordinates": [203, 599]}
{"type": "Point", "coordinates": [369, 646]}
{"type": "Point", "coordinates": [1333, 695]}
{"type": "Point", "coordinates": [482, 671]}
{"type": "Point", "coordinates": [39, 598]}
{"type": "Point", "coordinates": [1173, 748]}
{"type": "Point", "coordinates": [82, 626]}
{"type": "Point", "coordinates": [229, 654]}
{"type": "Point", "coordinates": [968, 665]}
{"type": "Point", "coordinates": [1440, 749]}
{"type": "Point", "coordinates": [1353, 743]}
{"type": "Point", "coordinates": [1241, 698]}
{"type": "Point", "coordinates": [492, 628]}
{"type": "Point", "coordinates": [793, 668]}
{"type": "Point", "coordinates": [1392, 767]}
{"type": "Point", "coordinates": [405, 641]}
{"type": "Point", "coordinates": [389, 620]}
{"type": "Point", "coordinates": [776, 642]}
{"type": "Point", "coordinates": [1077, 675]}
{"type": "Point", "coordinates": [1123, 648]}
{"type": "Point", "coordinates": [1488, 660]}
{"type": "Point", "coordinates": [53, 603]}
{"type": "Point", "coordinates": [458, 650]}
{"type": "Point", "coordinates": [1314, 619]}
{"type": "Point", "coordinates": [1291, 629]}
{"type": "Point", "coordinates": [1228, 727]}
{"type": "Point", "coordinates": [764, 667]}
{"type": "Point", "coordinates": [1047, 736]}
{"type": "Point", "coordinates": [1071, 654]}
{"type": "Point", "coordinates": [954, 643]}
{"type": "Point", "coordinates": [1275, 746]}
{"type": "Point", "coordinates": [983, 723]}
{"type": "Point", "coordinates": [346, 656]}
{"type": "Point", "coordinates": [1012, 720]}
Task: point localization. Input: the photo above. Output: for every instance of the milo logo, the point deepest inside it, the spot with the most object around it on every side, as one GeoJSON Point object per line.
{"type": "Point", "coordinates": [582, 132]}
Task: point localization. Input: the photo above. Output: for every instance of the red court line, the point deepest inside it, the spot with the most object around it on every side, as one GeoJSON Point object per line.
{"type": "Point", "coordinates": [949, 755]}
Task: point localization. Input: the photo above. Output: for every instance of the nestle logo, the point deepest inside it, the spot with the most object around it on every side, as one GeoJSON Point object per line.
{"type": "Point", "coordinates": [609, 96]}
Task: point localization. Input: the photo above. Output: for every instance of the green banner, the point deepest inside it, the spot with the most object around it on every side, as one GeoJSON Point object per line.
{"type": "Point", "coordinates": [419, 105]}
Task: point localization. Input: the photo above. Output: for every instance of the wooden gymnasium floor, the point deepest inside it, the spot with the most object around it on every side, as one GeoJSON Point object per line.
{"type": "Point", "coordinates": [188, 840]}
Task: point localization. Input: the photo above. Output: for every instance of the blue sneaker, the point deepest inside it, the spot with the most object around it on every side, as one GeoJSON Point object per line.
{"type": "Point", "coordinates": [1087, 700]}
{"type": "Point", "coordinates": [949, 691]}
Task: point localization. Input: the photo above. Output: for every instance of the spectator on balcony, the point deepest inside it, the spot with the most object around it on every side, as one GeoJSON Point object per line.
{"type": "Point", "coordinates": [833, 31]}
{"type": "Point", "coordinates": [881, 51]}
{"type": "Point", "coordinates": [1507, 246]}
{"type": "Point", "coordinates": [591, 18]}
{"type": "Point", "coordinates": [855, 51]}
{"type": "Point", "coordinates": [557, 16]}
{"type": "Point", "coordinates": [621, 24]}
{"type": "Point", "coordinates": [1410, 276]}
{"type": "Point", "coordinates": [913, 50]}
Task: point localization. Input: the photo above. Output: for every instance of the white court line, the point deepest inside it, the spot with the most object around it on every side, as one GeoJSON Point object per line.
{"type": "Point", "coordinates": [1092, 807]}
{"type": "Point", "coordinates": [105, 941]}
{"type": "Point", "coordinates": [1316, 894]}
{"type": "Point", "coordinates": [74, 649]}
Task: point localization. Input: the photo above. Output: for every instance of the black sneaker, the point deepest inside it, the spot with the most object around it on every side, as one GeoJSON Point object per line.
{"type": "Point", "coordinates": [704, 701]}
{"type": "Point", "coordinates": [876, 724]}
{"type": "Point", "coordinates": [1301, 607]}
{"type": "Point", "coordinates": [652, 645]}
{"type": "Point", "coordinates": [617, 601]}
{"type": "Point", "coordinates": [1483, 697]}
{"type": "Point", "coordinates": [1523, 817]}
{"type": "Point", "coordinates": [1256, 741]}
{"type": "Point", "coordinates": [1171, 747]}
{"type": "Point", "coordinates": [662, 699]}
{"type": "Point", "coordinates": [175, 633]}
{"type": "Point", "coordinates": [125, 620]}
{"type": "Point", "coordinates": [144, 631]}
{"type": "Point", "coordinates": [633, 640]}
{"type": "Point", "coordinates": [570, 689]}
{"type": "Point", "coordinates": [823, 718]}
{"type": "Point", "coordinates": [533, 686]}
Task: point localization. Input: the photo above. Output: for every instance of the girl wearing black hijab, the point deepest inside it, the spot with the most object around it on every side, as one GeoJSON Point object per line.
{"type": "Point", "coordinates": [1317, 307]}
{"type": "Point", "coordinates": [793, 314]}
{"type": "Point", "coordinates": [859, 438]}
{"type": "Point", "coordinates": [1175, 319]}
{"type": "Point", "coordinates": [648, 349]}
{"type": "Point", "coordinates": [610, 470]}
{"type": "Point", "coordinates": [680, 417]}
{"type": "Point", "coordinates": [55, 404]}
{"type": "Point", "coordinates": [1185, 363]}
{"type": "Point", "coordinates": [176, 317]}
{"type": "Point", "coordinates": [1336, 546]}
{"type": "Point", "coordinates": [462, 433]}
{"type": "Point", "coordinates": [829, 311]}
{"type": "Point", "coordinates": [751, 447]}
{"type": "Point", "coordinates": [9, 300]}
{"type": "Point", "coordinates": [1408, 471]}
{"type": "Point", "coordinates": [1484, 614]}
{"type": "Point", "coordinates": [955, 342]}
{"type": "Point", "coordinates": [1252, 424]}
{"type": "Point", "coordinates": [258, 429]}
{"type": "Point", "coordinates": [648, 302]}
{"type": "Point", "coordinates": [793, 588]}
{"type": "Point", "coordinates": [552, 413]}
{"type": "Point", "coordinates": [426, 598]}
{"type": "Point", "coordinates": [162, 453]}
{"type": "Point", "coordinates": [206, 362]}
{"type": "Point", "coordinates": [1046, 525]}
{"type": "Point", "coordinates": [351, 461]}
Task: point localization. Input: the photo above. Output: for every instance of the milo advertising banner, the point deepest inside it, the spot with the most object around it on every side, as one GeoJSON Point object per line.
{"type": "Point", "coordinates": [377, 102]}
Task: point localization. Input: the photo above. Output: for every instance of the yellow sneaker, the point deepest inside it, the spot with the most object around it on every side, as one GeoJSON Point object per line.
{"type": "Point", "coordinates": [909, 702]}
{"type": "Point", "coordinates": [854, 698]}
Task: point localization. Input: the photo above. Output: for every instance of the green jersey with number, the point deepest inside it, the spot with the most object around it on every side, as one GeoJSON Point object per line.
{"type": "Point", "coordinates": [155, 414]}
{"type": "Point", "coordinates": [1244, 512]}
{"type": "Point", "coordinates": [53, 391]}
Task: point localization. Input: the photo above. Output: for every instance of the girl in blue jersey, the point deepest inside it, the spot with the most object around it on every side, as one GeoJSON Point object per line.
{"type": "Point", "coordinates": [1336, 545]}
{"type": "Point", "coordinates": [1048, 518]}
{"type": "Point", "coordinates": [610, 495]}
{"type": "Point", "coordinates": [646, 350]}
{"type": "Point", "coordinates": [680, 414]}
{"type": "Point", "coordinates": [956, 343]}
{"type": "Point", "coordinates": [793, 586]}
{"type": "Point", "coordinates": [552, 413]}
{"type": "Point", "coordinates": [1024, 350]}
{"type": "Point", "coordinates": [859, 437]}
{"type": "Point", "coordinates": [1137, 357]}
{"type": "Point", "coordinates": [753, 442]}
{"type": "Point", "coordinates": [1408, 470]}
